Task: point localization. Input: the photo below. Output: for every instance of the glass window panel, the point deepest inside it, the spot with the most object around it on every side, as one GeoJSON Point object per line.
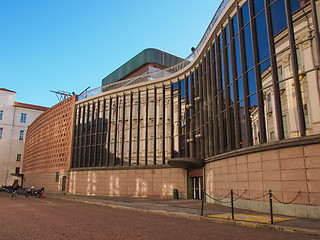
{"type": "Point", "coordinates": [265, 66]}
{"type": "Point", "coordinates": [278, 15]}
{"type": "Point", "coordinates": [227, 34]}
{"type": "Point", "coordinates": [1, 114]}
{"type": "Point", "coordinates": [248, 44]}
{"type": "Point", "coordinates": [262, 35]}
{"type": "Point", "coordinates": [238, 57]}
{"type": "Point", "coordinates": [231, 94]}
{"type": "Point", "coordinates": [182, 82]}
{"type": "Point", "coordinates": [235, 24]}
{"type": "Point", "coordinates": [229, 64]}
{"type": "Point", "coordinates": [240, 86]}
{"type": "Point", "coordinates": [251, 82]}
{"type": "Point", "coordinates": [21, 135]}
{"type": "Point", "coordinates": [295, 5]}
{"type": "Point", "coordinates": [23, 118]}
{"type": "Point", "coordinates": [245, 13]}
{"type": "Point", "coordinates": [220, 42]}
{"type": "Point", "coordinates": [258, 6]}
{"type": "Point", "coordinates": [222, 72]}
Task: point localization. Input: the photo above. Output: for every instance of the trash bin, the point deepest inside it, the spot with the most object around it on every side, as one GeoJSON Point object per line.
{"type": "Point", "coordinates": [175, 194]}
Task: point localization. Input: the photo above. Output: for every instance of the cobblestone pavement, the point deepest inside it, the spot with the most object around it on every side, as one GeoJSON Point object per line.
{"type": "Point", "coordinates": [55, 218]}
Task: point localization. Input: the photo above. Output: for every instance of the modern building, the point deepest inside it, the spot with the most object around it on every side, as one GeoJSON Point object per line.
{"type": "Point", "coordinates": [15, 118]}
{"type": "Point", "coordinates": [242, 112]}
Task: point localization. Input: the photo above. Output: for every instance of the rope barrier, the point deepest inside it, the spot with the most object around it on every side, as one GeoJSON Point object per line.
{"type": "Point", "coordinates": [218, 200]}
{"type": "Point", "coordinates": [287, 202]}
{"type": "Point", "coordinates": [256, 198]}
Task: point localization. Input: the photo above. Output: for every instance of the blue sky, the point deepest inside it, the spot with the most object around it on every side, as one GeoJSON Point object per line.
{"type": "Point", "coordinates": [72, 44]}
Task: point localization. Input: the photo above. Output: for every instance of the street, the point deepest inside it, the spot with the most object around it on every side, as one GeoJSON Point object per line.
{"type": "Point", "coordinates": [46, 218]}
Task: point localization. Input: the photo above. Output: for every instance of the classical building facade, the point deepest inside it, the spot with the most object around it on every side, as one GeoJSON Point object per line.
{"type": "Point", "coordinates": [15, 118]}
{"type": "Point", "coordinates": [242, 112]}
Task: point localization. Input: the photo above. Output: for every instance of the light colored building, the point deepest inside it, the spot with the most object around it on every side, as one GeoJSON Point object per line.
{"type": "Point", "coordinates": [15, 118]}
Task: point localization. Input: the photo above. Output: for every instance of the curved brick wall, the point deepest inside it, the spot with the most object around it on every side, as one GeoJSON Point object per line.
{"type": "Point", "coordinates": [48, 143]}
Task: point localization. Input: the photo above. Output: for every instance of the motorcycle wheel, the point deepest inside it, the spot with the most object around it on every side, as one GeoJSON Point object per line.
{"type": "Point", "coordinates": [27, 195]}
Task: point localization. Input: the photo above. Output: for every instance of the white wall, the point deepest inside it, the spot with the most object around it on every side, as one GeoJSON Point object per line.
{"type": "Point", "coordinates": [10, 145]}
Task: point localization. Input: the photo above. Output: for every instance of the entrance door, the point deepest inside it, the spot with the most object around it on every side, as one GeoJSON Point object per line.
{"type": "Point", "coordinates": [197, 185]}
{"type": "Point", "coordinates": [63, 187]}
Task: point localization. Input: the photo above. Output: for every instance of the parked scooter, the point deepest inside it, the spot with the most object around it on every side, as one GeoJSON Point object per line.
{"type": "Point", "coordinates": [33, 192]}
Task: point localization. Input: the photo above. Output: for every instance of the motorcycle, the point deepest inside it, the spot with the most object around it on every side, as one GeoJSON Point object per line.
{"type": "Point", "coordinates": [33, 192]}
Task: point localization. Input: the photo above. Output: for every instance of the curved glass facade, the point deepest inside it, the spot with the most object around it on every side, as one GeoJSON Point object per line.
{"type": "Point", "coordinates": [254, 81]}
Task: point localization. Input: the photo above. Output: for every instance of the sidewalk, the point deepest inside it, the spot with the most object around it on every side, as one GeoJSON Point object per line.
{"type": "Point", "coordinates": [191, 209]}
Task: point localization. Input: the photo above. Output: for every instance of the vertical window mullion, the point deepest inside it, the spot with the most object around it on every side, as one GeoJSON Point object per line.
{"type": "Point", "coordinates": [220, 97]}
{"type": "Point", "coordinates": [179, 117]}
{"type": "Point", "coordinates": [123, 126]}
{"type": "Point", "coordinates": [248, 127]}
{"type": "Point", "coordinates": [209, 104]}
{"type": "Point", "coordinates": [138, 127]}
{"type": "Point", "coordinates": [235, 86]}
{"type": "Point", "coordinates": [146, 130]}
{"type": "Point", "coordinates": [192, 118]}
{"type": "Point", "coordinates": [96, 136]}
{"type": "Point", "coordinates": [294, 63]}
{"type": "Point", "coordinates": [197, 115]}
{"type": "Point", "coordinates": [203, 97]}
{"type": "Point", "coordinates": [257, 72]}
{"type": "Point", "coordinates": [226, 88]}
{"type": "Point", "coordinates": [274, 72]}
{"type": "Point", "coordinates": [163, 123]}
{"type": "Point", "coordinates": [155, 127]}
{"type": "Point", "coordinates": [186, 114]}
{"type": "Point", "coordinates": [172, 120]}
{"type": "Point", "coordinates": [214, 101]}
{"type": "Point", "coordinates": [109, 132]}
{"type": "Point", "coordinates": [115, 132]}
{"type": "Point", "coordinates": [102, 131]}
{"type": "Point", "coordinates": [130, 128]}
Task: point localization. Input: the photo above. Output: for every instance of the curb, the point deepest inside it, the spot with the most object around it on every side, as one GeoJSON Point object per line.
{"type": "Point", "coordinates": [265, 226]}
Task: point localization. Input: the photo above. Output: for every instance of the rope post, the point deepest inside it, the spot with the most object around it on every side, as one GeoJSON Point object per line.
{"type": "Point", "coordinates": [232, 208]}
{"type": "Point", "coordinates": [271, 210]}
{"type": "Point", "coordinates": [202, 201]}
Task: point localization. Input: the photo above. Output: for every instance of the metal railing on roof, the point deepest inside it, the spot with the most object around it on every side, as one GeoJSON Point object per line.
{"type": "Point", "coordinates": [161, 73]}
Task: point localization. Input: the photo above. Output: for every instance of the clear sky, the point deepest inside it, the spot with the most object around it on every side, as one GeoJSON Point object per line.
{"type": "Point", "coordinates": [73, 44]}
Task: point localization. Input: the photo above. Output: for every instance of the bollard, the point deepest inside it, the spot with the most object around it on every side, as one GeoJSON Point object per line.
{"type": "Point", "coordinates": [202, 198]}
{"type": "Point", "coordinates": [232, 208]}
{"type": "Point", "coordinates": [271, 210]}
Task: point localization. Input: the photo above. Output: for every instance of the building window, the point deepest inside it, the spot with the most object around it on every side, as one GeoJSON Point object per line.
{"type": "Point", "coordinates": [17, 170]}
{"type": "Point", "coordinates": [1, 129]}
{"type": "Point", "coordinates": [23, 118]}
{"type": "Point", "coordinates": [57, 176]}
{"type": "Point", "coordinates": [1, 114]}
{"type": "Point", "coordinates": [269, 106]}
{"type": "Point", "coordinates": [21, 135]}
{"type": "Point", "coordinates": [18, 157]}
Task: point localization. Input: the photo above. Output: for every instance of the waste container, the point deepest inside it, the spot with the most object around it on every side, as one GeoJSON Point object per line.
{"type": "Point", "coordinates": [175, 194]}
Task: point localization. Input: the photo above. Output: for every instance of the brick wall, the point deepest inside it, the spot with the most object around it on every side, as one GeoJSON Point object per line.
{"type": "Point", "coordinates": [285, 171]}
{"type": "Point", "coordinates": [48, 147]}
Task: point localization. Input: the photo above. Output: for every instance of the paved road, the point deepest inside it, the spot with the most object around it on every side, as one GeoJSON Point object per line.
{"type": "Point", "coordinates": [33, 218]}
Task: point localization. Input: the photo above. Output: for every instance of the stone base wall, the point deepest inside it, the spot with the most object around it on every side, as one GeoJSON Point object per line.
{"type": "Point", "coordinates": [46, 180]}
{"type": "Point", "coordinates": [285, 171]}
{"type": "Point", "coordinates": [132, 182]}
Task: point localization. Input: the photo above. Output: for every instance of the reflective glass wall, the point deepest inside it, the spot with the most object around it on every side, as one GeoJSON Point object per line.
{"type": "Point", "coordinates": [255, 81]}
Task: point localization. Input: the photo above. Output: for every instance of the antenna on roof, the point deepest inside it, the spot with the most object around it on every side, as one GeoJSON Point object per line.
{"type": "Point", "coordinates": [63, 95]}
{"type": "Point", "coordinates": [84, 90]}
